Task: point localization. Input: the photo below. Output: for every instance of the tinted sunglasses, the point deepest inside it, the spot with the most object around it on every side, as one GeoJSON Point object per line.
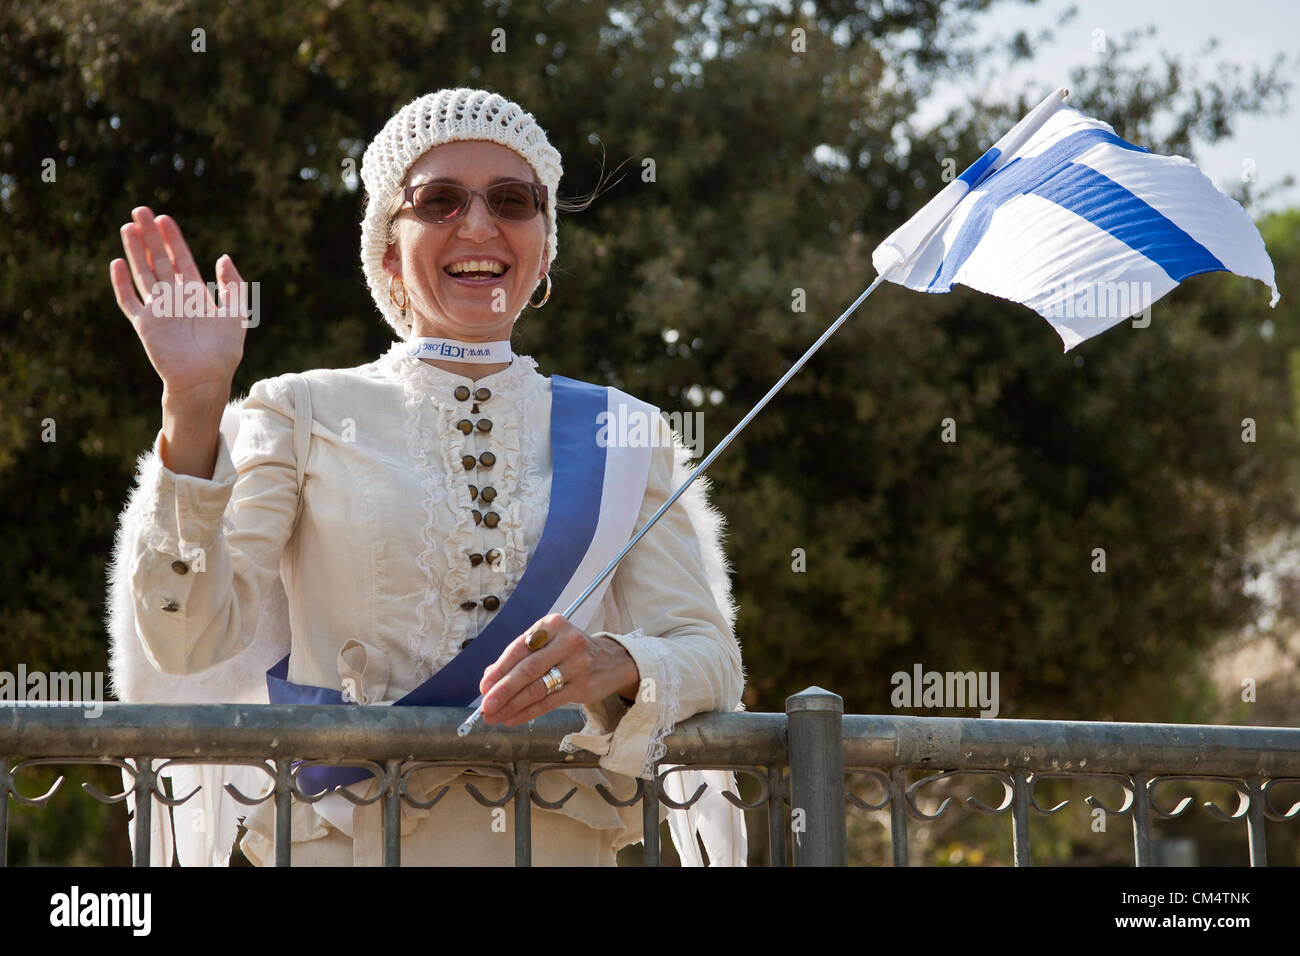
{"type": "Point", "coordinates": [446, 202]}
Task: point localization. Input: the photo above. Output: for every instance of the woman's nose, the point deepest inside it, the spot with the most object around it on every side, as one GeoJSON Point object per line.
{"type": "Point", "coordinates": [477, 222]}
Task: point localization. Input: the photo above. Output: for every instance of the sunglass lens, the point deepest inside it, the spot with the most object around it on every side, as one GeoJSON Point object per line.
{"type": "Point", "coordinates": [514, 201]}
{"type": "Point", "coordinates": [440, 202]}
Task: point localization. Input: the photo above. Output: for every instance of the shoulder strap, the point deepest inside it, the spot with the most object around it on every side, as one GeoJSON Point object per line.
{"type": "Point", "coordinates": [301, 429]}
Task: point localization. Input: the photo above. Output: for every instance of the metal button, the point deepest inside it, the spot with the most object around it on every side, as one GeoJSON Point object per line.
{"type": "Point", "coordinates": [468, 462]}
{"type": "Point", "coordinates": [473, 492]}
{"type": "Point", "coordinates": [491, 602]}
{"type": "Point", "coordinates": [491, 519]}
{"type": "Point", "coordinates": [487, 459]}
{"type": "Point", "coordinates": [489, 494]}
{"type": "Point", "coordinates": [483, 394]}
{"type": "Point", "coordinates": [466, 643]}
{"type": "Point", "coordinates": [468, 605]}
{"type": "Point", "coordinates": [461, 393]}
{"type": "Point", "coordinates": [465, 426]}
{"type": "Point", "coordinates": [478, 516]}
{"type": "Point", "coordinates": [475, 559]}
{"type": "Point", "coordinates": [171, 606]}
{"type": "Point", "coordinates": [493, 556]}
{"type": "Point", "coordinates": [484, 425]}
{"type": "Point", "coordinates": [180, 567]}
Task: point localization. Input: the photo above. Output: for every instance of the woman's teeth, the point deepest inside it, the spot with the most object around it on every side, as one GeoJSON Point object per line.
{"type": "Point", "coordinates": [476, 269]}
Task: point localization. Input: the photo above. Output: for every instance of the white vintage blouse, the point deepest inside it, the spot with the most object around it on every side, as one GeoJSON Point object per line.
{"type": "Point", "coordinates": [388, 572]}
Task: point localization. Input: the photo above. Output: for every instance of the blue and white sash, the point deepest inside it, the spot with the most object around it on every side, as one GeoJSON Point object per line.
{"type": "Point", "coordinates": [596, 495]}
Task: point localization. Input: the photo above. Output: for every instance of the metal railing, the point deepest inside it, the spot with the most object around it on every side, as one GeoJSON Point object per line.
{"type": "Point", "coordinates": [796, 761]}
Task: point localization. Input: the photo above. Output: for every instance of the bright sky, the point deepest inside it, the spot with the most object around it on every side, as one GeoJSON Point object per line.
{"type": "Point", "coordinates": [1250, 33]}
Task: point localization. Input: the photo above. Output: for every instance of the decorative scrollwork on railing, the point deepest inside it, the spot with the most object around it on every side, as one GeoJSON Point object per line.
{"type": "Point", "coordinates": [1008, 794]}
{"type": "Point", "coordinates": [162, 768]}
{"type": "Point", "coordinates": [404, 779]}
{"type": "Point", "coordinates": [1125, 783]}
{"type": "Point", "coordinates": [1130, 795]}
{"type": "Point", "coordinates": [163, 798]}
{"type": "Point", "coordinates": [538, 770]}
{"type": "Point", "coordinates": [1031, 799]}
{"type": "Point", "coordinates": [880, 777]}
{"type": "Point", "coordinates": [734, 799]}
{"type": "Point", "coordinates": [1243, 797]}
{"type": "Point", "coordinates": [265, 766]}
{"type": "Point", "coordinates": [90, 788]}
{"type": "Point", "coordinates": [45, 797]}
{"type": "Point", "coordinates": [378, 769]}
{"type": "Point", "coordinates": [109, 798]}
{"type": "Point", "coordinates": [675, 804]}
{"type": "Point", "coordinates": [1266, 803]}
{"type": "Point", "coordinates": [512, 784]}
{"type": "Point", "coordinates": [614, 801]}
{"type": "Point", "coordinates": [764, 790]}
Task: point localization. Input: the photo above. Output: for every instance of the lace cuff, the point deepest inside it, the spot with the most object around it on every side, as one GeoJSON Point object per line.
{"type": "Point", "coordinates": [183, 513]}
{"type": "Point", "coordinates": [629, 740]}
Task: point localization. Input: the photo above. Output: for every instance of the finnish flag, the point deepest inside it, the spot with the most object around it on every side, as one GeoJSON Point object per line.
{"type": "Point", "coordinates": [1067, 218]}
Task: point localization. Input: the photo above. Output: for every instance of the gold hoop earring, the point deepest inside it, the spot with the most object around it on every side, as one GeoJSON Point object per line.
{"type": "Point", "coordinates": [545, 296]}
{"type": "Point", "coordinates": [401, 305]}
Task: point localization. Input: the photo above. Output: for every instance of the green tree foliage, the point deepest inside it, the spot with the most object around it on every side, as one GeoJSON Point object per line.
{"type": "Point", "coordinates": [767, 151]}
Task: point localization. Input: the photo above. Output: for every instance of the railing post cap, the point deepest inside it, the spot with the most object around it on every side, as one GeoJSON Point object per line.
{"type": "Point", "coordinates": [814, 699]}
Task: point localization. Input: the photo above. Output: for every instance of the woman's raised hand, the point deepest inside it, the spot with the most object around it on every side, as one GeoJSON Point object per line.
{"type": "Point", "coordinates": [194, 344]}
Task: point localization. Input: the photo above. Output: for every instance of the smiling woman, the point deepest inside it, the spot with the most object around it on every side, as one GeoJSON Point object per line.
{"type": "Point", "coordinates": [364, 534]}
{"type": "Point", "coordinates": [469, 276]}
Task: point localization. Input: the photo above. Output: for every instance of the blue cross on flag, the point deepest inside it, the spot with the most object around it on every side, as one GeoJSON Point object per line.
{"type": "Point", "coordinates": [1084, 228]}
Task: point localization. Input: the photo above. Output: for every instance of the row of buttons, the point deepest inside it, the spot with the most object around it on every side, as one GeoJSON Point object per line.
{"type": "Point", "coordinates": [481, 394]}
{"type": "Point", "coordinates": [487, 494]}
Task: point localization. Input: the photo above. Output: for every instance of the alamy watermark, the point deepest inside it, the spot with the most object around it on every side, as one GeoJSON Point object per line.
{"type": "Point", "coordinates": [635, 428]}
{"type": "Point", "coordinates": [83, 689]}
{"type": "Point", "coordinates": [75, 908]}
{"type": "Point", "coordinates": [923, 688]}
{"type": "Point", "coordinates": [171, 300]}
{"type": "Point", "coordinates": [1102, 300]}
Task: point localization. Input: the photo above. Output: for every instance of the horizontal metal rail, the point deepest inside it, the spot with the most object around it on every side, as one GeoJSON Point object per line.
{"type": "Point", "coordinates": [797, 761]}
{"type": "Point", "coordinates": [1070, 745]}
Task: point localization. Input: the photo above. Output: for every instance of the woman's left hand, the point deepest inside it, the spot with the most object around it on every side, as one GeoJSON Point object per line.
{"type": "Point", "coordinates": [593, 668]}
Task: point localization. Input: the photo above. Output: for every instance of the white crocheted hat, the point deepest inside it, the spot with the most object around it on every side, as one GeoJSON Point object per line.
{"type": "Point", "coordinates": [436, 118]}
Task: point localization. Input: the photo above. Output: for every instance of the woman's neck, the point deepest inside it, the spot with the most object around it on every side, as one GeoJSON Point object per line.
{"type": "Point", "coordinates": [470, 370]}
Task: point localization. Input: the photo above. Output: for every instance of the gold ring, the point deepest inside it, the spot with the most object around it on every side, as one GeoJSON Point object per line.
{"type": "Point", "coordinates": [537, 640]}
